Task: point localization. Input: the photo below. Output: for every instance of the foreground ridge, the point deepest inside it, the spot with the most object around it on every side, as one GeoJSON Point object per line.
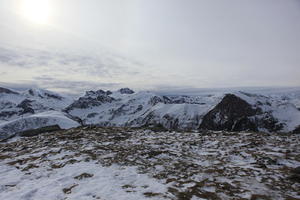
{"type": "Point", "coordinates": [126, 163]}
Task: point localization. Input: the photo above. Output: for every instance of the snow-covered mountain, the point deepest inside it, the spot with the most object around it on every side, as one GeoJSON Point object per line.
{"type": "Point", "coordinates": [245, 111]}
{"type": "Point", "coordinates": [14, 104]}
{"type": "Point", "coordinates": [237, 111]}
{"type": "Point", "coordinates": [34, 121]}
{"type": "Point", "coordinates": [30, 109]}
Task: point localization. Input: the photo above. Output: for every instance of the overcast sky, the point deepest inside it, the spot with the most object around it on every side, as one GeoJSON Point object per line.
{"type": "Point", "coordinates": [75, 45]}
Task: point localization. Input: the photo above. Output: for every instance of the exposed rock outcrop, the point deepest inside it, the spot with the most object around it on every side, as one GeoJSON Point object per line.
{"type": "Point", "coordinates": [231, 114]}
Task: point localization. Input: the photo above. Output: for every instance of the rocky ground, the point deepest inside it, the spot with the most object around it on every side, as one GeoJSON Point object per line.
{"type": "Point", "coordinates": [119, 163]}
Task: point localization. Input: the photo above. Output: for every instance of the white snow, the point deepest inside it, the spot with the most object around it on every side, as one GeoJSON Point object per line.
{"type": "Point", "coordinates": [41, 100]}
{"type": "Point", "coordinates": [106, 183]}
{"type": "Point", "coordinates": [282, 110]}
{"type": "Point", "coordinates": [43, 97]}
{"type": "Point", "coordinates": [37, 121]}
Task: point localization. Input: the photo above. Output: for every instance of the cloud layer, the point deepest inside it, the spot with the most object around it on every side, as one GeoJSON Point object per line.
{"type": "Point", "coordinates": [153, 44]}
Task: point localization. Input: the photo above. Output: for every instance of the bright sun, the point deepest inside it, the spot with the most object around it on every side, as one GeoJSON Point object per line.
{"type": "Point", "coordinates": [37, 11]}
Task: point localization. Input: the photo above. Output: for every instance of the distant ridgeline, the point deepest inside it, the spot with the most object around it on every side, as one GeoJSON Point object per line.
{"type": "Point", "coordinates": [236, 111]}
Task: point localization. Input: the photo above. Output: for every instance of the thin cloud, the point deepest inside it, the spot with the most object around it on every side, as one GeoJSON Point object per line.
{"type": "Point", "coordinates": [69, 72]}
{"type": "Point", "coordinates": [71, 87]}
{"type": "Point", "coordinates": [104, 66]}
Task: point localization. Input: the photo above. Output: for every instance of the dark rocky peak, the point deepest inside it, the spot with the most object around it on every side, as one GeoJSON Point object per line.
{"type": "Point", "coordinates": [7, 91]}
{"type": "Point", "coordinates": [126, 91]}
{"type": "Point", "coordinates": [231, 114]}
{"type": "Point", "coordinates": [235, 106]}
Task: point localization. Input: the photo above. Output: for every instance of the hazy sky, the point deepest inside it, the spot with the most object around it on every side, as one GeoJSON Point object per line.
{"type": "Point", "coordinates": [149, 44]}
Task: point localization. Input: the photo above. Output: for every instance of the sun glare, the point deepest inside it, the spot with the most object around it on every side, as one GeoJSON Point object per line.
{"type": "Point", "coordinates": [37, 11]}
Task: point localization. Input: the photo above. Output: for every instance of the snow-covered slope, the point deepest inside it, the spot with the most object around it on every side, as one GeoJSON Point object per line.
{"type": "Point", "coordinates": [30, 109]}
{"type": "Point", "coordinates": [15, 104]}
{"type": "Point", "coordinates": [48, 98]}
{"type": "Point", "coordinates": [34, 121]}
{"type": "Point", "coordinates": [283, 108]}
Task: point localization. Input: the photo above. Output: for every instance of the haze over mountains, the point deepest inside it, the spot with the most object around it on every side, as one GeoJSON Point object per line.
{"type": "Point", "coordinates": [260, 110]}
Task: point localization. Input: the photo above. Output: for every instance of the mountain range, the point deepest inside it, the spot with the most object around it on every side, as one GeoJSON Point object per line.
{"type": "Point", "coordinates": [256, 111]}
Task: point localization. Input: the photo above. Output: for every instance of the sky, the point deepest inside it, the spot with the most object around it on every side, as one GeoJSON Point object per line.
{"type": "Point", "coordinates": [77, 45]}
